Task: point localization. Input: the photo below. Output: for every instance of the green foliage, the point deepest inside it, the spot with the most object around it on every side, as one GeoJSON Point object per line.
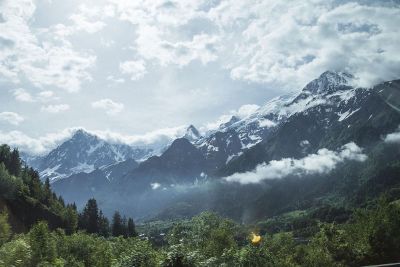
{"type": "Point", "coordinates": [8, 184]}
{"type": "Point", "coordinates": [10, 159]}
{"type": "Point", "coordinates": [133, 252]}
{"type": "Point", "coordinates": [27, 198]}
{"type": "Point", "coordinates": [42, 243]}
{"type": "Point", "coordinates": [89, 219]}
{"type": "Point", "coordinates": [122, 227]}
{"type": "Point", "coordinates": [82, 249]}
{"type": "Point", "coordinates": [5, 229]}
{"type": "Point", "coordinates": [372, 236]}
{"type": "Point", "coordinates": [131, 228]}
{"type": "Point", "coordinates": [203, 240]}
{"type": "Point", "coordinates": [17, 252]}
{"type": "Point", "coordinates": [317, 236]}
{"type": "Point", "coordinates": [104, 225]}
{"type": "Point", "coordinates": [117, 225]}
{"type": "Point", "coordinates": [71, 219]}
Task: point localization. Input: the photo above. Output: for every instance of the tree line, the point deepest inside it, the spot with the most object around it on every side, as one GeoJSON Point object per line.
{"type": "Point", "coordinates": [92, 220]}
{"type": "Point", "coordinates": [30, 200]}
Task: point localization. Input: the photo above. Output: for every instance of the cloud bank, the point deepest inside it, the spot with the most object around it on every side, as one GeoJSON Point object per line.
{"type": "Point", "coordinates": [286, 43]}
{"type": "Point", "coordinates": [43, 144]}
{"type": "Point", "coordinates": [27, 56]}
{"type": "Point", "coordinates": [35, 145]}
{"type": "Point", "coordinates": [323, 161]}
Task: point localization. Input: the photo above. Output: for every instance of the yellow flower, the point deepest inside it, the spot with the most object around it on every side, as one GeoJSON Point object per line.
{"type": "Point", "coordinates": [255, 239]}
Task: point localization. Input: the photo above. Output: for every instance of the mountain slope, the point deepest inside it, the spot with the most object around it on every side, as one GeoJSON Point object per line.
{"type": "Point", "coordinates": [81, 186]}
{"type": "Point", "coordinates": [83, 152]}
{"type": "Point", "coordinates": [182, 162]}
{"type": "Point", "coordinates": [327, 119]}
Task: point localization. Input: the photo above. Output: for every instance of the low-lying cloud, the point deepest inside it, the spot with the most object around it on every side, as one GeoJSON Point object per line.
{"type": "Point", "coordinates": [243, 112]}
{"type": "Point", "coordinates": [323, 161]}
{"type": "Point", "coordinates": [393, 137]}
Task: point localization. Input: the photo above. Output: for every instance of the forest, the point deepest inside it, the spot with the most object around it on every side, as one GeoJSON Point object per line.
{"type": "Point", "coordinates": [38, 229]}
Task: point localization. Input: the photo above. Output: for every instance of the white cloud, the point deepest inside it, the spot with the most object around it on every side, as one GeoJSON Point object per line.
{"type": "Point", "coordinates": [111, 107]}
{"type": "Point", "coordinates": [35, 145]}
{"type": "Point", "coordinates": [43, 63]}
{"type": "Point", "coordinates": [136, 69]}
{"type": "Point", "coordinates": [82, 23]}
{"type": "Point", "coordinates": [152, 45]}
{"type": "Point", "coordinates": [45, 96]}
{"type": "Point", "coordinates": [159, 33]}
{"type": "Point", "coordinates": [289, 42]}
{"type": "Point", "coordinates": [154, 139]}
{"type": "Point", "coordinates": [285, 43]}
{"type": "Point", "coordinates": [113, 79]}
{"type": "Point", "coordinates": [393, 137]}
{"type": "Point", "coordinates": [246, 110]}
{"type": "Point", "coordinates": [11, 117]}
{"type": "Point", "coordinates": [323, 161]}
{"type": "Point", "coordinates": [23, 95]}
{"type": "Point", "coordinates": [55, 108]}
{"type": "Point", "coordinates": [86, 19]}
{"type": "Point", "coordinates": [243, 112]}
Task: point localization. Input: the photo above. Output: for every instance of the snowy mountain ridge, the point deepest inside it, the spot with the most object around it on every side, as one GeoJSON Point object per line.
{"type": "Point", "coordinates": [331, 92]}
{"type": "Point", "coordinates": [86, 152]}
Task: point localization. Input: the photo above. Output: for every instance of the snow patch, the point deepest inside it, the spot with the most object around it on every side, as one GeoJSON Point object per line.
{"type": "Point", "coordinates": [347, 114]}
{"type": "Point", "coordinates": [265, 123]}
{"type": "Point", "coordinates": [83, 167]}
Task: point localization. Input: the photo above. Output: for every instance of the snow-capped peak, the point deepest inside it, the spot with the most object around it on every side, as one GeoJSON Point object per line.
{"type": "Point", "coordinates": [329, 82]}
{"type": "Point", "coordinates": [192, 134]}
{"type": "Point", "coordinates": [233, 120]}
{"type": "Point", "coordinates": [80, 133]}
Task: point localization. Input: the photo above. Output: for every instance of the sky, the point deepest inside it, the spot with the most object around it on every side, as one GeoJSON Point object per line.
{"type": "Point", "coordinates": [140, 69]}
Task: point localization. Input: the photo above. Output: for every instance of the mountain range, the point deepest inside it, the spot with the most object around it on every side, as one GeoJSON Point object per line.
{"type": "Point", "coordinates": [328, 113]}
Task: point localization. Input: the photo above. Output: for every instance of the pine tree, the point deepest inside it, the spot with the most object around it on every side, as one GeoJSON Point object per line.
{"type": "Point", "coordinates": [89, 218]}
{"type": "Point", "coordinates": [61, 200]}
{"type": "Point", "coordinates": [131, 228]}
{"type": "Point", "coordinates": [14, 163]}
{"type": "Point", "coordinates": [43, 245]}
{"type": "Point", "coordinates": [71, 220]}
{"type": "Point", "coordinates": [117, 225]}
{"type": "Point", "coordinates": [124, 227]}
{"type": "Point", "coordinates": [47, 194]}
{"type": "Point", "coordinates": [104, 225]}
